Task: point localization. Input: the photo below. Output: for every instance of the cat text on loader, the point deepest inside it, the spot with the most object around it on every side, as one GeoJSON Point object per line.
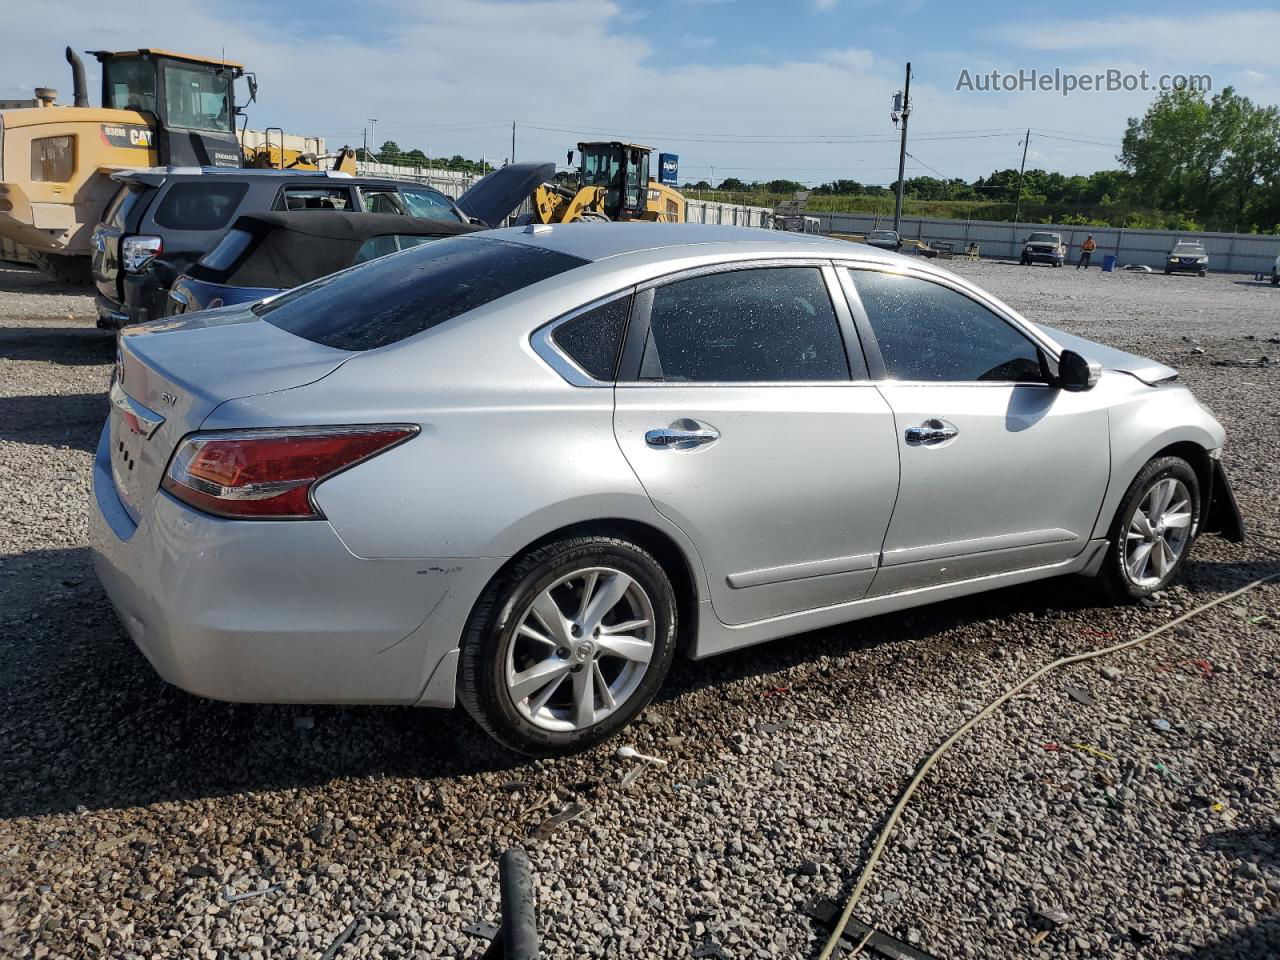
{"type": "Point", "coordinates": [158, 109]}
{"type": "Point", "coordinates": [613, 184]}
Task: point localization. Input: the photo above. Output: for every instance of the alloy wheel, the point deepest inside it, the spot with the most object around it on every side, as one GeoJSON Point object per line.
{"type": "Point", "coordinates": [1159, 532]}
{"type": "Point", "coordinates": [581, 649]}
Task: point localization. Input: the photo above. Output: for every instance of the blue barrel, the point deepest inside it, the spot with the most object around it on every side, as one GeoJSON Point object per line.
{"type": "Point", "coordinates": [1109, 263]}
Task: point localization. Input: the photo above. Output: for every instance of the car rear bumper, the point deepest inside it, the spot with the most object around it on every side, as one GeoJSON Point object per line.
{"type": "Point", "coordinates": [110, 314]}
{"type": "Point", "coordinates": [275, 611]}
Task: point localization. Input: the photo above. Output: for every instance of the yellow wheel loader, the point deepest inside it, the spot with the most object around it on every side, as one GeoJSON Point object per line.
{"type": "Point", "coordinates": [159, 108]}
{"type": "Point", "coordinates": [613, 184]}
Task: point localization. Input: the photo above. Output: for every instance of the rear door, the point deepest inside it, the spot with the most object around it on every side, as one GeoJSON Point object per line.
{"type": "Point", "coordinates": [190, 216]}
{"type": "Point", "coordinates": [751, 424]}
{"type": "Point", "coordinates": [122, 212]}
{"type": "Point", "coordinates": [1001, 471]}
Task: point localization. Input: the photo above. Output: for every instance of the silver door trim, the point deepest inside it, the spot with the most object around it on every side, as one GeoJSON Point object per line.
{"type": "Point", "coordinates": [802, 571]}
{"type": "Point", "coordinates": [962, 548]}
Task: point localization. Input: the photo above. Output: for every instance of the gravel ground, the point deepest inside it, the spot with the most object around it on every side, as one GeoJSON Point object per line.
{"type": "Point", "coordinates": [1125, 807]}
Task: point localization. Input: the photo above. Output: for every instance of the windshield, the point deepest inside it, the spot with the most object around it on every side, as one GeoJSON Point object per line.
{"type": "Point", "coordinates": [1189, 248]}
{"type": "Point", "coordinates": [197, 99]}
{"type": "Point", "coordinates": [883, 235]}
{"type": "Point", "coordinates": [1043, 238]}
{"type": "Point", "coordinates": [227, 251]}
{"type": "Point", "coordinates": [130, 85]}
{"type": "Point", "coordinates": [386, 300]}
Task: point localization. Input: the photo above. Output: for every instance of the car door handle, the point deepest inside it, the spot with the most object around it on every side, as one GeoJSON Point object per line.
{"type": "Point", "coordinates": [678, 438]}
{"type": "Point", "coordinates": [931, 432]}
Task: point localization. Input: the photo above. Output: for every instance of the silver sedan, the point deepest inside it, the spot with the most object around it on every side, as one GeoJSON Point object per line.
{"type": "Point", "coordinates": [518, 469]}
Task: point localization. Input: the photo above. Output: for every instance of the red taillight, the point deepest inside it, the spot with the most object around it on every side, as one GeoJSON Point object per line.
{"type": "Point", "coordinates": [270, 474]}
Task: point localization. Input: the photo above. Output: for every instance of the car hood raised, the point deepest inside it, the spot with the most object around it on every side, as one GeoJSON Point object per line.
{"type": "Point", "coordinates": [493, 198]}
{"type": "Point", "coordinates": [1145, 369]}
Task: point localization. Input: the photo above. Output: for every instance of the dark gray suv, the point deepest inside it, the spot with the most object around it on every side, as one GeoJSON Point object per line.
{"type": "Point", "coordinates": [161, 221]}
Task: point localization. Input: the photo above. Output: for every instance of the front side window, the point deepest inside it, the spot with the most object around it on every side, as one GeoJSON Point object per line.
{"type": "Point", "coordinates": [314, 198]}
{"type": "Point", "coordinates": [766, 324]}
{"type": "Point", "coordinates": [428, 204]}
{"type": "Point", "coordinates": [200, 205]}
{"type": "Point", "coordinates": [197, 99]}
{"type": "Point", "coordinates": [390, 299]}
{"type": "Point", "coordinates": [382, 200]}
{"type": "Point", "coordinates": [930, 332]}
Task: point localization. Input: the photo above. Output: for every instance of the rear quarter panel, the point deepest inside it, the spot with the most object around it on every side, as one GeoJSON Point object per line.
{"type": "Point", "coordinates": [508, 451]}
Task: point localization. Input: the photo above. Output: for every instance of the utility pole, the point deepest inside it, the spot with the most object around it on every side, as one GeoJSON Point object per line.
{"type": "Point", "coordinates": [366, 144]}
{"type": "Point", "coordinates": [904, 112]}
{"type": "Point", "coordinates": [1017, 207]}
{"type": "Point", "coordinates": [373, 135]}
{"type": "Point", "coordinates": [513, 141]}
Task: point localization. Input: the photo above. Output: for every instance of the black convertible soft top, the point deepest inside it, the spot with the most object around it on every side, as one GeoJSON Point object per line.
{"type": "Point", "coordinates": [288, 249]}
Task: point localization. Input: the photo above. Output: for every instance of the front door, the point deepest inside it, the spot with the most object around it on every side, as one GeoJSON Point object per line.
{"type": "Point", "coordinates": [1000, 470]}
{"type": "Point", "coordinates": [747, 431]}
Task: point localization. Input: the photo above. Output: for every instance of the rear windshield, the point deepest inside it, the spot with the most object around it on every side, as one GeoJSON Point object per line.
{"type": "Point", "coordinates": [200, 205]}
{"type": "Point", "coordinates": [386, 300]}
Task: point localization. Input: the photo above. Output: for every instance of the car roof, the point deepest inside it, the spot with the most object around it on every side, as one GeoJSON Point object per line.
{"type": "Point", "coordinates": [601, 241]}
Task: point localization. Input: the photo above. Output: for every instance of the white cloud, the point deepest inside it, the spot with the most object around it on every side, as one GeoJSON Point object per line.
{"type": "Point", "coordinates": [1219, 37]}
{"type": "Point", "coordinates": [450, 76]}
{"type": "Point", "coordinates": [825, 4]}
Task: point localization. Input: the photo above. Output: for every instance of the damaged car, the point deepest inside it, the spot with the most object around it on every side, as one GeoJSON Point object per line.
{"type": "Point", "coordinates": [518, 470]}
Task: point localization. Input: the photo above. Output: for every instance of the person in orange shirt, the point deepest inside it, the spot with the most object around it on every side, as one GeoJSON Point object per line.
{"type": "Point", "coordinates": [1086, 251]}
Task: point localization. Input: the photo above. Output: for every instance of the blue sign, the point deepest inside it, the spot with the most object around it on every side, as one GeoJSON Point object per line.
{"type": "Point", "coordinates": [668, 168]}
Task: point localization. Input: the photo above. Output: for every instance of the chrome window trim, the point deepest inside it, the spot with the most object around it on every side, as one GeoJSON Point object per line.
{"type": "Point", "coordinates": [543, 343]}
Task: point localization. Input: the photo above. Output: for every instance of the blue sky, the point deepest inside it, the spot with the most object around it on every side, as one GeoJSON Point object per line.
{"type": "Point", "coordinates": [756, 90]}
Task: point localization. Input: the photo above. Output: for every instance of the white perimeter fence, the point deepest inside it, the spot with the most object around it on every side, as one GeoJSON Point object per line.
{"type": "Point", "coordinates": [1230, 252]}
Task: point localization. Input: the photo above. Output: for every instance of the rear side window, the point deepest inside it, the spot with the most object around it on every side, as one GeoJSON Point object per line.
{"type": "Point", "coordinates": [382, 200]}
{"type": "Point", "coordinates": [314, 198]}
{"type": "Point", "coordinates": [228, 250]}
{"type": "Point", "coordinates": [375, 247]}
{"type": "Point", "coordinates": [200, 205]}
{"type": "Point", "coordinates": [929, 332]}
{"type": "Point", "coordinates": [387, 300]}
{"type": "Point", "coordinates": [769, 324]}
{"type": "Point", "coordinates": [592, 339]}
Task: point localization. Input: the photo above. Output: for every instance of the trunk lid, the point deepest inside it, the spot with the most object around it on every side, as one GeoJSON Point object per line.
{"type": "Point", "coordinates": [170, 375]}
{"type": "Point", "coordinates": [496, 196]}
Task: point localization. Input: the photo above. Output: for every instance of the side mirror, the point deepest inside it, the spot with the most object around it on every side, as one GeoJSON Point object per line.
{"type": "Point", "coordinates": [1075, 373]}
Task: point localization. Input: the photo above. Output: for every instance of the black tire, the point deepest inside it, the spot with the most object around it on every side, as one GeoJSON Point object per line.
{"type": "Point", "coordinates": [493, 626]}
{"type": "Point", "coordinates": [1114, 577]}
{"type": "Point", "coordinates": [1204, 273]}
{"type": "Point", "coordinates": [1275, 279]}
{"type": "Point", "coordinates": [1025, 262]}
{"type": "Point", "coordinates": [1167, 271]}
{"type": "Point", "coordinates": [64, 269]}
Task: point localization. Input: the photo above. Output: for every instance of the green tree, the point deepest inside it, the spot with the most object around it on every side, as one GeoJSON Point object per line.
{"type": "Point", "coordinates": [389, 152]}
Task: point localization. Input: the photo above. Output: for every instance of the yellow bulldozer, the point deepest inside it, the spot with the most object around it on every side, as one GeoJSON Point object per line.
{"type": "Point", "coordinates": [159, 108]}
{"type": "Point", "coordinates": [613, 184]}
